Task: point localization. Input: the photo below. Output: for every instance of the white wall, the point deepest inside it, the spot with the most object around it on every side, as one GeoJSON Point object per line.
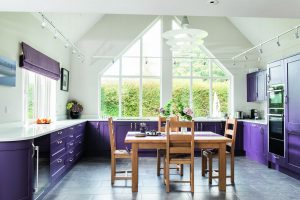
{"type": "Point", "coordinates": [15, 28]}
{"type": "Point", "coordinates": [110, 36]}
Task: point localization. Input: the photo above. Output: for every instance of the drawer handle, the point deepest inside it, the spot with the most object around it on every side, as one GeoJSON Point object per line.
{"type": "Point", "coordinates": [59, 160]}
{"type": "Point", "coordinates": [71, 160]}
{"type": "Point", "coordinates": [59, 141]}
{"type": "Point", "coordinates": [71, 144]}
{"type": "Point", "coordinates": [80, 142]}
{"type": "Point", "coordinates": [59, 132]}
{"type": "Point", "coordinates": [71, 136]}
{"type": "Point", "coordinates": [71, 128]}
{"type": "Point", "coordinates": [275, 156]}
{"type": "Point", "coordinates": [71, 152]}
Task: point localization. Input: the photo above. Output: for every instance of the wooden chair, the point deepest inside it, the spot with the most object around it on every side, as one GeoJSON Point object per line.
{"type": "Point", "coordinates": [117, 154]}
{"type": "Point", "coordinates": [208, 155]}
{"type": "Point", "coordinates": [161, 152]}
{"type": "Point", "coordinates": [179, 150]}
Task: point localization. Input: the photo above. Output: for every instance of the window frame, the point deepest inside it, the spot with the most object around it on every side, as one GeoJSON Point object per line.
{"type": "Point", "coordinates": [141, 77]}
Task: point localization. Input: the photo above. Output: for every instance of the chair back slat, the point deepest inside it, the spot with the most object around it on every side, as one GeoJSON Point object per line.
{"type": "Point", "coordinates": [180, 143]}
{"type": "Point", "coordinates": [230, 132]}
{"type": "Point", "coordinates": [111, 135]}
{"type": "Point", "coordinates": [161, 120]}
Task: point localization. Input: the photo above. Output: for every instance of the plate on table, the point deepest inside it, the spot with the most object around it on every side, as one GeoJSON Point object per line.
{"type": "Point", "coordinates": [140, 135]}
{"type": "Point", "coordinates": [153, 133]}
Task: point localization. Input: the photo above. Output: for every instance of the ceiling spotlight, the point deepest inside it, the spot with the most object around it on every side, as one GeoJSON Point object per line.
{"type": "Point", "coordinates": [278, 43]}
{"type": "Point", "coordinates": [55, 34]}
{"type": "Point", "coordinates": [213, 2]}
{"type": "Point", "coordinates": [260, 49]}
{"type": "Point", "coordinates": [297, 33]}
{"type": "Point", "coordinates": [246, 58]}
{"type": "Point", "coordinates": [74, 51]}
{"type": "Point", "coordinates": [44, 23]}
{"type": "Point", "coordinates": [66, 45]}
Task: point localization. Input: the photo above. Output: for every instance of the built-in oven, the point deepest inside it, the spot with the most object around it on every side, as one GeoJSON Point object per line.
{"type": "Point", "coordinates": [276, 119]}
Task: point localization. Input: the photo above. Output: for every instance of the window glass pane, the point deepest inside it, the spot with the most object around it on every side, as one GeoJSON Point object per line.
{"type": "Point", "coordinates": [30, 95]}
{"type": "Point", "coordinates": [152, 41]}
{"type": "Point", "coordinates": [220, 89]}
{"type": "Point", "coordinates": [151, 67]}
{"type": "Point", "coordinates": [200, 68]}
{"type": "Point", "coordinates": [131, 61]}
{"type": "Point", "coordinates": [201, 97]}
{"type": "Point", "coordinates": [151, 97]}
{"type": "Point", "coordinates": [217, 71]}
{"type": "Point", "coordinates": [181, 67]}
{"type": "Point", "coordinates": [130, 97]}
{"type": "Point", "coordinates": [113, 70]}
{"type": "Point", "coordinates": [109, 97]}
{"type": "Point", "coordinates": [42, 102]}
{"type": "Point", "coordinates": [181, 91]}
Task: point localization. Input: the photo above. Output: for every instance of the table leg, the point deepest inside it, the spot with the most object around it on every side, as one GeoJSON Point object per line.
{"type": "Point", "coordinates": [135, 167]}
{"type": "Point", "coordinates": [222, 167]}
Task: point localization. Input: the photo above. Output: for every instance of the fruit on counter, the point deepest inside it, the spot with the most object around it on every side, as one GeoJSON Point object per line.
{"type": "Point", "coordinates": [43, 121]}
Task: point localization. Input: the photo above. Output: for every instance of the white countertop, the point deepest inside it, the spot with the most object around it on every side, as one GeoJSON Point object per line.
{"type": "Point", "coordinates": [18, 132]}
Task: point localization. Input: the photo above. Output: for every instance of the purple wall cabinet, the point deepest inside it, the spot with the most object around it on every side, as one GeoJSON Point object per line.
{"type": "Point", "coordinates": [251, 87]}
{"type": "Point", "coordinates": [16, 170]}
{"type": "Point", "coordinates": [275, 73]}
{"type": "Point", "coordinates": [292, 114]}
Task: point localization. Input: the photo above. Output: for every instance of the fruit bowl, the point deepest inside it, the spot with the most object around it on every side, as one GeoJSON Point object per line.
{"type": "Point", "coordinates": [43, 121]}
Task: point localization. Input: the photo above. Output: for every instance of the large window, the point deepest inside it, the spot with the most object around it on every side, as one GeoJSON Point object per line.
{"type": "Point", "coordinates": [130, 87]}
{"type": "Point", "coordinates": [39, 97]}
{"type": "Point", "coordinates": [202, 85]}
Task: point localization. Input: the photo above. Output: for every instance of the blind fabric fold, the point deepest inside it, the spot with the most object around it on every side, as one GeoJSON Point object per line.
{"type": "Point", "coordinates": [37, 62]}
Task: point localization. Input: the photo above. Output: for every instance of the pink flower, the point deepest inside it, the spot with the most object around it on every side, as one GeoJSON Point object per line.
{"type": "Point", "coordinates": [188, 111]}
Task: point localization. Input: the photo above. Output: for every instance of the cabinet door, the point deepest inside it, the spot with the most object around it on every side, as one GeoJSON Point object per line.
{"type": "Point", "coordinates": [261, 86]}
{"type": "Point", "coordinates": [105, 138]}
{"type": "Point", "coordinates": [16, 170]}
{"type": "Point", "coordinates": [251, 87]}
{"type": "Point", "coordinates": [209, 126]}
{"type": "Point", "coordinates": [292, 114]}
{"type": "Point", "coordinates": [93, 139]}
{"type": "Point", "coordinates": [246, 130]}
{"type": "Point", "coordinates": [275, 73]}
{"type": "Point", "coordinates": [294, 149]}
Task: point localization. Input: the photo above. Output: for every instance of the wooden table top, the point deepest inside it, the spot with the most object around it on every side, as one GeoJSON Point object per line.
{"type": "Point", "coordinates": [200, 137]}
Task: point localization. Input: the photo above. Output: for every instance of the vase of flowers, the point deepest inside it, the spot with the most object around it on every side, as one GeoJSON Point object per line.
{"type": "Point", "coordinates": [74, 109]}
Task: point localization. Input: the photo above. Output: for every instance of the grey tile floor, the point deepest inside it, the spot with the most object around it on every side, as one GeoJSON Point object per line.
{"type": "Point", "coordinates": [90, 180]}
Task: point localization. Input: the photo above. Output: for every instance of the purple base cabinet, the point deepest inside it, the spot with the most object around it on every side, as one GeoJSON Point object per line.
{"type": "Point", "coordinates": [16, 170]}
{"type": "Point", "coordinates": [92, 139]}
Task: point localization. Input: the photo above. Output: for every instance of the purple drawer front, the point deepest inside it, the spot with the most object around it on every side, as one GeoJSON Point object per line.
{"type": "Point", "coordinates": [70, 144]}
{"type": "Point", "coordinates": [59, 134]}
{"type": "Point", "coordinates": [58, 147]}
{"type": "Point", "coordinates": [70, 161]}
{"type": "Point", "coordinates": [57, 165]}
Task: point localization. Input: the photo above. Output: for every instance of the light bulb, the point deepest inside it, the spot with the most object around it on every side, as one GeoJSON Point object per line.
{"type": "Point", "coordinates": [43, 23]}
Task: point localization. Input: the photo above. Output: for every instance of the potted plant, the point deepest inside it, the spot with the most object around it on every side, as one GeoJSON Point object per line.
{"type": "Point", "coordinates": [74, 108]}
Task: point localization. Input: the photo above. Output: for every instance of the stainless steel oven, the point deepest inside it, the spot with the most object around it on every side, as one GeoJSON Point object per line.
{"type": "Point", "coordinates": [276, 119]}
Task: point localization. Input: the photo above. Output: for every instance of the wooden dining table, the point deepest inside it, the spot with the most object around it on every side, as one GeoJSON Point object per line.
{"type": "Point", "coordinates": [203, 140]}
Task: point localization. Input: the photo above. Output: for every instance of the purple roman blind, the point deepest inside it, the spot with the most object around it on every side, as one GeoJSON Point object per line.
{"type": "Point", "coordinates": [38, 62]}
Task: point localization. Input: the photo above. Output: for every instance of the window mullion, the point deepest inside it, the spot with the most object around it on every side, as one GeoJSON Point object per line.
{"type": "Point", "coordinates": [120, 87]}
{"type": "Point", "coordinates": [141, 80]}
{"type": "Point", "coordinates": [210, 89]}
{"type": "Point", "coordinates": [191, 84]}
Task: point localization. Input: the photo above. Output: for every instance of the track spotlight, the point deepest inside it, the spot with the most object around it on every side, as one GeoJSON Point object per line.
{"type": "Point", "coordinates": [55, 34]}
{"type": "Point", "coordinates": [74, 51]}
{"type": "Point", "coordinates": [278, 43]}
{"type": "Point", "coordinates": [297, 33]}
{"type": "Point", "coordinates": [260, 49]}
{"type": "Point", "coordinates": [66, 45]}
{"type": "Point", "coordinates": [44, 23]}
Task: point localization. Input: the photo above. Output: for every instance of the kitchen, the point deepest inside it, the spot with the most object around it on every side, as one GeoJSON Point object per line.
{"type": "Point", "coordinates": [60, 85]}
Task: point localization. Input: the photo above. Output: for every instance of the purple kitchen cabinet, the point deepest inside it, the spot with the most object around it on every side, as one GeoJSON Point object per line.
{"type": "Point", "coordinates": [16, 170]}
{"type": "Point", "coordinates": [92, 139]}
{"type": "Point", "coordinates": [121, 129]}
{"type": "Point", "coordinates": [251, 87]}
{"type": "Point", "coordinates": [275, 73]}
{"type": "Point", "coordinates": [292, 114]}
{"type": "Point", "coordinates": [105, 138]}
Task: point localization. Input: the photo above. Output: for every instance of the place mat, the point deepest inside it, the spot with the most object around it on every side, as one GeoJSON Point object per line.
{"type": "Point", "coordinates": [207, 134]}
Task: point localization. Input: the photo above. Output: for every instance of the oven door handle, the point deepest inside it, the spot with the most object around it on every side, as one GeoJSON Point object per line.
{"type": "Point", "coordinates": [269, 91]}
{"type": "Point", "coordinates": [276, 115]}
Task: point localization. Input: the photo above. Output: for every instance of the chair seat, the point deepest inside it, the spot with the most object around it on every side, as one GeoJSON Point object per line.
{"type": "Point", "coordinates": [213, 152]}
{"type": "Point", "coordinates": [122, 153]}
{"type": "Point", "coordinates": [180, 159]}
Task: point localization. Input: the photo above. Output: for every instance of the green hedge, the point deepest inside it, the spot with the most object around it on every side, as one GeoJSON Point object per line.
{"type": "Point", "coordinates": [151, 97]}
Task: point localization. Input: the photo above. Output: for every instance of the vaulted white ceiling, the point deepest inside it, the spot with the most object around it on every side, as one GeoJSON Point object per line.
{"type": "Point", "coordinates": [233, 8]}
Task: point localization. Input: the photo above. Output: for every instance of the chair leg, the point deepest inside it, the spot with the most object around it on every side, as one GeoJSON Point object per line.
{"type": "Point", "coordinates": [204, 164]}
{"type": "Point", "coordinates": [232, 169]}
{"type": "Point", "coordinates": [167, 177]}
{"type": "Point", "coordinates": [210, 169]}
{"type": "Point", "coordinates": [113, 170]}
{"type": "Point", "coordinates": [181, 170]}
{"type": "Point", "coordinates": [192, 177]}
{"type": "Point", "coordinates": [158, 162]}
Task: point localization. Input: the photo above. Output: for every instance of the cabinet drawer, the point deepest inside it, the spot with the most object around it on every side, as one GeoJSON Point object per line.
{"type": "Point", "coordinates": [58, 165]}
{"type": "Point", "coordinates": [58, 147]}
{"type": "Point", "coordinates": [70, 144]}
{"type": "Point", "coordinates": [58, 135]}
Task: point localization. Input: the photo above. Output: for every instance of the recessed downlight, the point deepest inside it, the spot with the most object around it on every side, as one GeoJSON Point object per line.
{"type": "Point", "coordinates": [213, 2]}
